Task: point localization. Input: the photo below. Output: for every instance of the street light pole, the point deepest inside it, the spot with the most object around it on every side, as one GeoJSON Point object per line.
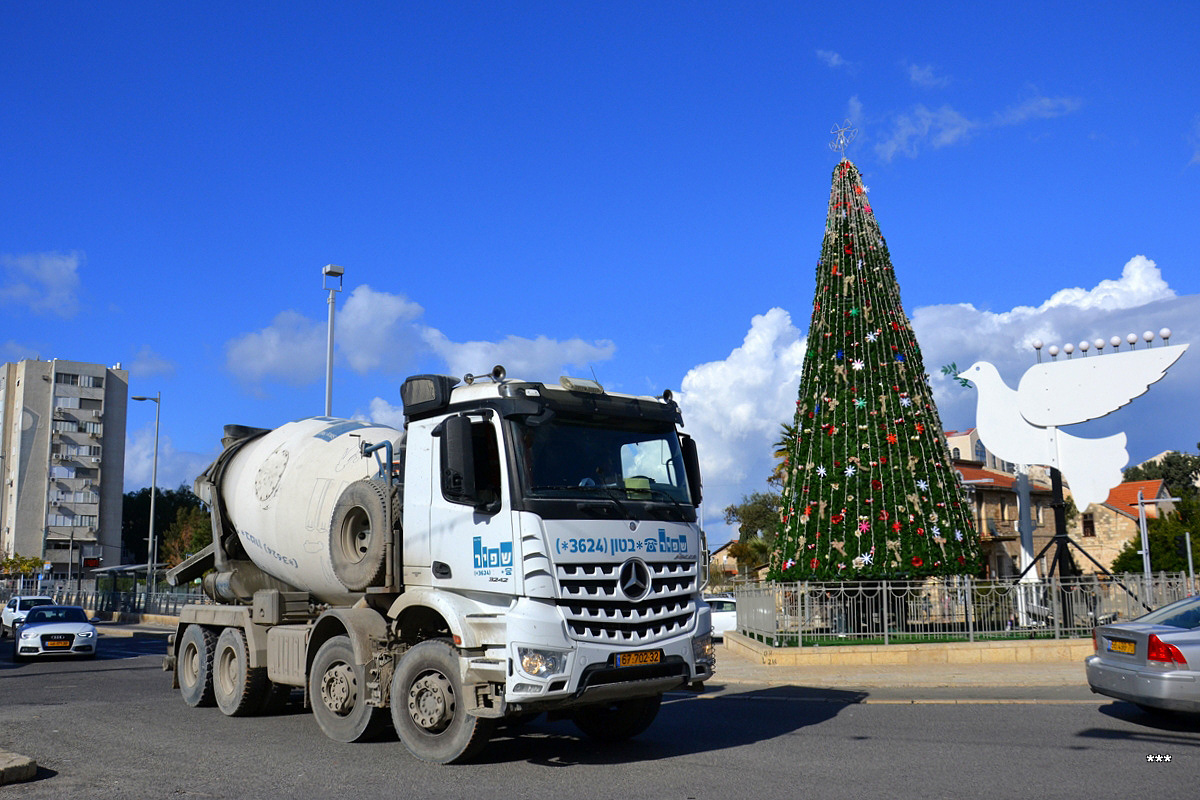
{"type": "Point", "coordinates": [1145, 551]}
{"type": "Point", "coordinates": [151, 562]}
{"type": "Point", "coordinates": [328, 273]}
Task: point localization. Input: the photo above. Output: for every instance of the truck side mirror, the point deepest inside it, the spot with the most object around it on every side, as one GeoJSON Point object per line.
{"type": "Point", "coordinates": [458, 461]}
{"type": "Point", "coordinates": [691, 465]}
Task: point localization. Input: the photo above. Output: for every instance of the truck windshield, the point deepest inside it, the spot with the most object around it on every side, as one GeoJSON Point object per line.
{"type": "Point", "coordinates": [565, 458]}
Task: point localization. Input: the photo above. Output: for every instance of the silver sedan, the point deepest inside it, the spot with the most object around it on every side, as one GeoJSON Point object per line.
{"type": "Point", "coordinates": [55, 630]}
{"type": "Point", "coordinates": [1152, 661]}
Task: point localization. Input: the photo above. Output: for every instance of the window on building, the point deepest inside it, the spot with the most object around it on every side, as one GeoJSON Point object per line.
{"type": "Point", "coordinates": [66, 402]}
{"type": "Point", "coordinates": [1089, 525]}
{"type": "Point", "coordinates": [66, 379]}
{"type": "Point", "coordinates": [62, 472]}
{"type": "Point", "coordinates": [980, 452]}
{"type": "Point", "coordinates": [956, 453]}
{"type": "Point", "coordinates": [91, 381]}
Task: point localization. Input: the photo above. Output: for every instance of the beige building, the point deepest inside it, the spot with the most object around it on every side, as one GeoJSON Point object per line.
{"type": "Point", "coordinates": [62, 463]}
{"type": "Point", "coordinates": [1103, 529]}
{"type": "Point", "coordinates": [722, 567]}
{"type": "Point", "coordinates": [995, 509]}
{"type": "Point", "coordinates": [967, 446]}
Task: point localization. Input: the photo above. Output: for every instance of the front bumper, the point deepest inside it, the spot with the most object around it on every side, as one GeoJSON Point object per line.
{"type": "Point", "coordinates": [1172, 690]}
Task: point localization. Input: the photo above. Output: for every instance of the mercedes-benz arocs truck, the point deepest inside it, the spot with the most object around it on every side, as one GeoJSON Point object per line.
{"type": "Point", "coordinates": [517, 548]}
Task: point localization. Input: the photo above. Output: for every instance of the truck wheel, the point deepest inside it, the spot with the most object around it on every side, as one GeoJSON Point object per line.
{"type": "Point", "coordinates": [428, 709]}
{"type": "Point", "coordinates": [358, 533]}
{"type": "Point", "coordinates": [237, 688]}
{"type": "Point", "coordinates": [619, 720]}
{"type": "Point", "coordinates": [194, 665]}
{"type": "Point", "coordinates": [338, 688]}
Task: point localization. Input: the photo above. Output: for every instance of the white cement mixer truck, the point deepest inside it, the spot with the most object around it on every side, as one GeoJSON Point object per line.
{"type": "Point", "coordinates": [518, 548]}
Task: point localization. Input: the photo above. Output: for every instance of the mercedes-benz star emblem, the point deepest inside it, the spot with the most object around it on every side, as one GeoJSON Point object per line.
{"type": "Point", "coordinates": [634, 579]}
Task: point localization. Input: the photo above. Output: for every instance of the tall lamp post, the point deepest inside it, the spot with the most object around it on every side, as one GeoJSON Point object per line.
{"type": "Point", "coordinates": [1145, 551]}
{"type": "Point", "coordinates": [328, 273]}
{"type": "Point", "coordinates": [150, 566]}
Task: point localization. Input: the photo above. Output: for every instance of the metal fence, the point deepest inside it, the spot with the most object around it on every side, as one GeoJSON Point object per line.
{"type": "Point", "coordinates": [946, 609]}
{"type": "Point", "coordinates": [104, 601]}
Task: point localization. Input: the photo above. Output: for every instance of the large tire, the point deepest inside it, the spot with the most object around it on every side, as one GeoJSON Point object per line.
{"type": "Point", "coordinates": [338, 689]}
{"type": "Point", "coordinates": [237, 688]}
{"type": "Point", "coordinates": [428, 709]}
{"type": "Point", "coordinates": [193, 667]}
{"type": "Point", "coordinates": [362, 522]}
{"type": "Point", "coordinates": [618, 720]}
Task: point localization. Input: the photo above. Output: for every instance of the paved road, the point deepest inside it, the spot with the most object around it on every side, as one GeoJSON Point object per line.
{"type": "Point", "coordinates": [112, 728]}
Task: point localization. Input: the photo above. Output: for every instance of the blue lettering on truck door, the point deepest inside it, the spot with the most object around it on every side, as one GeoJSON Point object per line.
{"type": "Point", "coordinates": [488, 559]}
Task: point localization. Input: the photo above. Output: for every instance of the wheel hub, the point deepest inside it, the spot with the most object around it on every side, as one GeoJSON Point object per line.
{"type": "Point", "coordinates": [431, 702]}
{"type": "Point", "coordinates": [338, 689]}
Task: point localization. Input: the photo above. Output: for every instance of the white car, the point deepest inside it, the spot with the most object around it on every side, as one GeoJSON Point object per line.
{"type": "Point", "coordinates": [15, 609]}
{"type": "Point", "coordinates": [55, 631]}
{"type": "Point", "coordinates": [724, 614]}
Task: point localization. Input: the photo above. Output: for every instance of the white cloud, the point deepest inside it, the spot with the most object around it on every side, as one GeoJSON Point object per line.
{"type": "Point", "coordinates": [537, 358]}
{"type": "Point", "coordinates": [47, 283]}
{"type": "Point", "coordinates": [1038, 108]}
{"type": "Point", "coordinates": [291, 349]}
{"type": "Point", "coordinates": [831, 59]}
{"type": "Point", "coordinates": [384, 413]}
{"type": "Point", "coordinates": [15, 351]}
{"type": "Point", "coordinates": [148, 363]}
{"type": "Point", "coordinates": [1141, 282]}
{"type": "Point", "coordinates": [382, 331]}
{"type": "Point", "coordinates": [532, 359]}
{"type": "Point", "coordinates": [926, 77]}
{"type": "Point", "coordinates": [375, 330]}
{"type": "Point", "coordinates": [734, 409]}
{"type": "Point", "coordinates": [921, 126]}
{"type": "Point", "coordinates": [175, 467]}
{"type": "Point", "coordinates": [938, 128]}
{"type": "Point", "coordinates": [854, 110]}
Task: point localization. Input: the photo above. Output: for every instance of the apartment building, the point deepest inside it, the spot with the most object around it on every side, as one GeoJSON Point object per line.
{"type": "Point", "coordinates": [62, 463]}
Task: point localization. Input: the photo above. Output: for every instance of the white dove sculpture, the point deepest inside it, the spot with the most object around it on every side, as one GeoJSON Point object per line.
{"type": "Point", "coordinates": [1022, 426]}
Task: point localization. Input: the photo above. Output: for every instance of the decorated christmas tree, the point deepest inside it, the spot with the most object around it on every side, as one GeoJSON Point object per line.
{"type": "Point", "coordinates": [869, 490]}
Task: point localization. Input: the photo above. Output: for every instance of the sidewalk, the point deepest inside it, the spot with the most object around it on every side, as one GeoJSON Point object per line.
{"type": "Point", "coordinates": [968, 665]}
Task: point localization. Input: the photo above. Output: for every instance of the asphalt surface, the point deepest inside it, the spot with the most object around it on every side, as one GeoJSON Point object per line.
{"type": "Point", "coordinates": [927, 684]}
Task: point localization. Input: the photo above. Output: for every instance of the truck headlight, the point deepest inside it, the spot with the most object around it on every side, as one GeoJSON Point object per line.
{"type": "Point", "coordinates": [702, 649]}
{"type": "Point", "coordinates": [541, 663]}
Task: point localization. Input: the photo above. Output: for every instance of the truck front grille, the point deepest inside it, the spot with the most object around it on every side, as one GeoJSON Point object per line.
{"type": "Point", "coordinates": [597, 611]}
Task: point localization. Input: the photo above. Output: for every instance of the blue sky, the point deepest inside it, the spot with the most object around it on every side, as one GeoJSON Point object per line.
{"type": "Point", "coordinates": [632, 189]}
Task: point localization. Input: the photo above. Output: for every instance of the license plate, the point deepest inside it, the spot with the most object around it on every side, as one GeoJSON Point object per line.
{"type": "Point", "coordinates": [56, 643]}
{"type": "Point", "coordinates": [639, 658]}
{"type": "Point", "coordinates": [1115, 646]}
